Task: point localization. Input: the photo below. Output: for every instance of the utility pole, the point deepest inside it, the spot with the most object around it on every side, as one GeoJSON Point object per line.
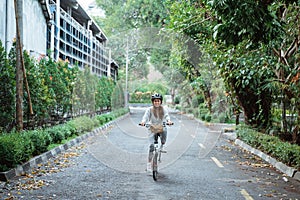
{"type": "Point", "coordinates": [126, 81]}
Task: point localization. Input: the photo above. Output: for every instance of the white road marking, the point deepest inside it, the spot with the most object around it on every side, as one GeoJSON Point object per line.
{"type": "Point", "coordinates": [246, 195]}
{"type": "Point", "coordinates": [218, 163]}
{"type": "Point", "coordinates": [202, 146]}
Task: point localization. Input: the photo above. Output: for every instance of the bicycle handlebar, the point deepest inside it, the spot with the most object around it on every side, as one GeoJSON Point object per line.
{"type": "Point", "coordinates": [164, 123]}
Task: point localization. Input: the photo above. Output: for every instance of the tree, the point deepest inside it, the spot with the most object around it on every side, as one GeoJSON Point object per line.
{"type": "Point", "coordinates": [128, 25]}
{"type": "Point", "coordinates": [191, 20]}
{"type": "Point", "coordinates": [286, 50]}
{"type": "Point", "coordinates": [19, 66]}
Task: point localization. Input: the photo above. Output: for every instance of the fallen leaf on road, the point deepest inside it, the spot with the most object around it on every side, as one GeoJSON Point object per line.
{"type": "Point", "coordinates": [269, 195]}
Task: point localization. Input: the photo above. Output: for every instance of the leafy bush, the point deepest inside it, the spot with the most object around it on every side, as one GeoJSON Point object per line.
{"type": "Point", "coordinates": [203, 117]}
{"type": "Point", "coordinates": [57, 134]}
{"type": "Point", "coordinates": [72, 128]}
{"type": "Point", "coordinates": [222, 117]}
{"type": "Point", "coordinates": [178, 107]}
{"type": "Point", "coordinates": [15, 148]}
{"type": "Point", "coordinates": [189, 110]}
{"type": "Point", "coordinates": [108, 117]}
{"type": "Point", "coordinates": [101, 119]}
{"type": "Point", "coordinates": [203, 110]}
{"type": "Point", "coordinates": [177, 100]}
{"type": "Point", "coordinates": [208, 117]}
{"type": "Point", "coordinates": [196, 112]}
{"type": "Point", "coordinates": [84, 124]}
{"type": "Point", "coordinates": [67, 131]}
{"type": "Point", "coordinates": [7, 85]}
{"type": "Point", "coordinates": [197, 100]}
{"type": "Point", "coordinates": [40, 140]}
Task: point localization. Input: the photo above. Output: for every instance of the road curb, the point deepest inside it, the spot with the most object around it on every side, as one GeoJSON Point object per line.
{"type": "Point", "coordinates": [289, 171]}
{"type": "Point", "coordinates": [43, 158]}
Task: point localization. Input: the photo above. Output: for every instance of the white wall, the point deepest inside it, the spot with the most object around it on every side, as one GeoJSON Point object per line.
{"type": "Point", "coordinates": [9, 29]}
{"type": "Point", "coordinates": [34, 26]}
{"type": "Point", "coordinates": [2, 21]}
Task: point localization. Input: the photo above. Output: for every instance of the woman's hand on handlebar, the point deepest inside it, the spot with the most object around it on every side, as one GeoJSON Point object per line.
{"type": "Point", "coordinates": [170, 123]}
{"type": "Point", "coordinates": [142, 124]}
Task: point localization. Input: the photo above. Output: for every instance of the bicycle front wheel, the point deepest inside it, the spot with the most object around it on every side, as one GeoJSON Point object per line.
{"type": "Point", "coordinates": [154, 175]}
{"type": "Point", "coordinates": [154, 166]}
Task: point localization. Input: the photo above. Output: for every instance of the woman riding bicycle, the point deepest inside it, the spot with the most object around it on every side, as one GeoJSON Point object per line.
{"type": "Point", "coordinates": [156, 115]}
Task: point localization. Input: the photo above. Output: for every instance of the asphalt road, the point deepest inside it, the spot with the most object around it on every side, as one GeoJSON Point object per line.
{"type": "Point", "coordinates": [201, 163]}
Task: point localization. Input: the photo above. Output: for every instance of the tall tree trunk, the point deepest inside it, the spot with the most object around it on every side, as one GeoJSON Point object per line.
{"type": "Point", "coordinates": [256, 107]}
{"type": "Point", "coordinates": [19, 68]}
{"type": "Point", "coordinates": [173, 96]}
{"type": "Point", "coordinates": [207, 96]}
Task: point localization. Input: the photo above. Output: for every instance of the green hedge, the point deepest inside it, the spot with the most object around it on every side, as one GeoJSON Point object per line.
{"type": "Point", "coordinates": [39, 139]}
{"type": "Point", "coordinates": [17, 148]}
{"type": "Point", "coordinates": [282, 151]}
{"type": "Point", "coordinates": [14, 148]}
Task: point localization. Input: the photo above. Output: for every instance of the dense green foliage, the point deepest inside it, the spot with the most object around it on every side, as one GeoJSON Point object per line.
{"type": "Point", "coordinates": [254, 48]}
{"type": "Point", "coordinates": [57, 91]}
{"type": "Point", "coordinates": [7, 91]}
{"type": "Point", "coordinates": [133, 27]}
{"type": "Point", "coordinates": [143, 93]}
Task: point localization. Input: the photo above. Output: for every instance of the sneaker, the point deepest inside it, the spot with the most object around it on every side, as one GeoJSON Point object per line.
{"type": "Point", "coordinates": [149, 168]}
{"type": "Point", "coordinates": [163, 149]}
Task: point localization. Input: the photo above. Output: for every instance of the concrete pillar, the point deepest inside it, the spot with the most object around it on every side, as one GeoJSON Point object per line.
{"type": "Point", "coordinates": [57, 16]}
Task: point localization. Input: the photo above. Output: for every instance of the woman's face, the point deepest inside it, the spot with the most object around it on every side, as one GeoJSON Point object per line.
{"type": "Point", "coordinates": [156, 102]}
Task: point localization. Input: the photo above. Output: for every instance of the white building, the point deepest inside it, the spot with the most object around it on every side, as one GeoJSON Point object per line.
{"type": "Point", "coordinates": [33, 22]}
{"type": "Point", "coordinates": [60, 29]}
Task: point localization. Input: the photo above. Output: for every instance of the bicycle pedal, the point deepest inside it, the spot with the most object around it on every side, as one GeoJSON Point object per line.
{"type": "Point", "coordinates": [163, 151]}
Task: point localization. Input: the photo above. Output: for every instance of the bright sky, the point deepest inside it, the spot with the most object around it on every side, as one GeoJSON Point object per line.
{"type": "Point", "coordinates": [93, 11]}
{"type": "Point", "coordinates": [85, 3]}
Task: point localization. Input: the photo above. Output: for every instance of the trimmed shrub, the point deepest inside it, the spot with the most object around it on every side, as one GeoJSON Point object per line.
{"type": "Point", "coordinates": [57, 134]}
{"type": "Point", "coordinates": [84, 124]}
{"type": "Point", "coordinates": [208, 117]}
{"type": "Point", "coordinates": [101, 119]}
{"type": "Point", "coordinates": [40, 140]}
{"type": "Point", "coordinates": [109, 117]}
{"type": "Point", "coordinates": [221, 117]}
{"type": "Point", "coordinates": [15, 148]}
{"type": "Point", "coordinates": [177, 100]}
{"type": "Point", "coordinates": [72, 128]}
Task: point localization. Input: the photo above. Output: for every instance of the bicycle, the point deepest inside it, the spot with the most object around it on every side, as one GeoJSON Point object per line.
{"type": "Point", "coordinates": [156, 157]}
